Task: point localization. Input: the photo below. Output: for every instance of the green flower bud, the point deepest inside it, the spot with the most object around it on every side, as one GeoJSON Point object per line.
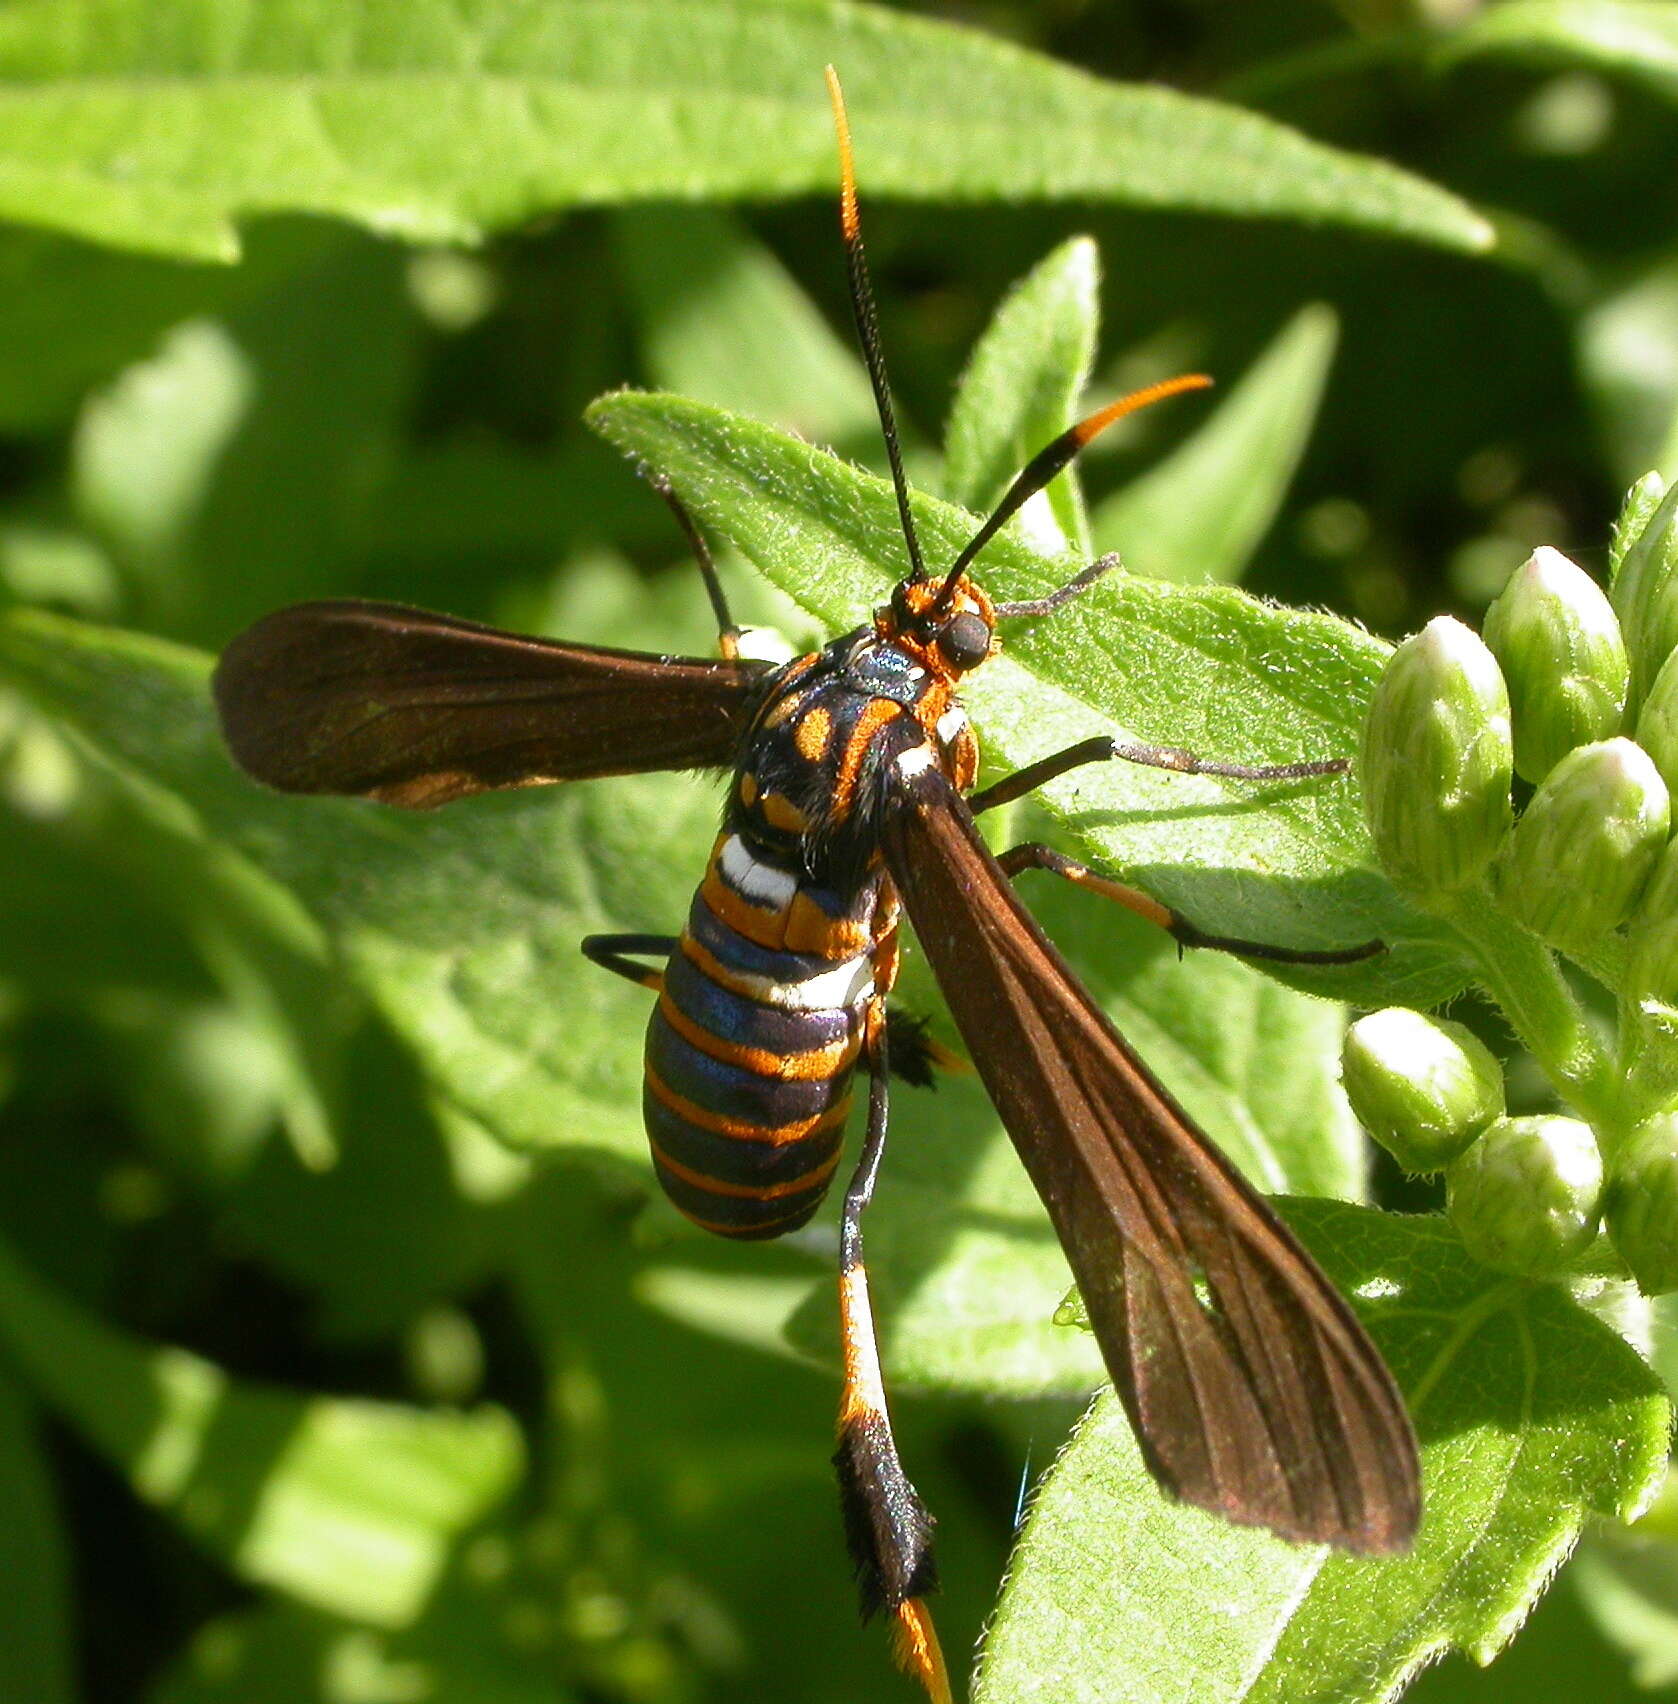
{"type": "Point", "coordinates": [1525, 1197]}
{"type": "Point", "coordinates": [1652, 961]}
{"type": "Point", "coordinates": [1556, 638]}
{"type": "Point", "coordinates": [1643, 1204]}
{"type": "Point", "coordinates": [1437, 760]}
{"type": "Point", "coordinates": [1657, 721]}
{"type": "Point", "coordinates": [1642, 500]}
{"type": "Point", "coordinates": [1645, 595]}
{"type": "Point", "coordinates": [1422, 1087]}
{"type": "Point", "coordinates": [1584, 848]}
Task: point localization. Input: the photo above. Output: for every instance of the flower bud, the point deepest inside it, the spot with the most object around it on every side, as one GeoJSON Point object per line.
{"type": "Point", "coordinates": [1645, 595]}
{"type": "Point", "coordinates": [1422, 1087]}
{"type": "Point", "coordinates": [1642, 1210]}
{"type": "Point", "coordinates": [1557, 641]}
{"type": "Point", "coordinates": [1657, 721]}
{"type": "Point", "coordinates": [1525, 1197]}
{"type": "Point", "coordinates": [1437, 760]}
{"type": "Point", "coordinates": [1652, 958]}
{"type": "Point", "coordinates": [1584, 848]}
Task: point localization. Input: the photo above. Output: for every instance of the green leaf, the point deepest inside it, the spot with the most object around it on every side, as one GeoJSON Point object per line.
{"type": "Point", "coordinates": [1202, 512]}
{"type": "Point", "coordinates": [1636, 37]}
{"type": "Point", "coordinates": [1020, 388]}
{"type": "Point", "coordinates": [1205, 667]}
{"type": "Point", "coordinates": [35, 1651]}
{"type": "Point", "coordinates": [284, 1655]}
{"type": "Point", "coordinates": [1531, 1414]}
{"type": "Point", "coordinates": [720, 318]}
{"type": "Point", "coordinates": [462, 927]}
{"type": "Point", "coordinates": [351, 1506]}
{"type": "Point", "coordinates": [160, 130]}
{"type": "Point", "coordinates": [1629, 1581]}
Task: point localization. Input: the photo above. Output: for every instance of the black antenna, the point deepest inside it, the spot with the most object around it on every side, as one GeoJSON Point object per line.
{"type": "Point", "coordinates": [867, 320]}
{"type": "Point", "coordinates": [1052, 458]}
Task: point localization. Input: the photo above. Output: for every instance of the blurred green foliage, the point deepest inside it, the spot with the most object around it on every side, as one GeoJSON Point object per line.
{"type": "Point", "coordinates": [342, 1353]}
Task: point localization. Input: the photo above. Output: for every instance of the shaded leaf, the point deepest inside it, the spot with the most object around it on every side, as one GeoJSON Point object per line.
{"type": "Point", "coordinates": [721, 319]}
{"type": "Point", "coordinates": [1201, 512]}
{"type": "Point", "coordinates": [35, 1648]}
{"type": "Point", "coordinates": [352, 1506]}
{"type": "Point", "coordinates": [1531, 1414]}
{"type": "Point", "coordinates": [160, 131]}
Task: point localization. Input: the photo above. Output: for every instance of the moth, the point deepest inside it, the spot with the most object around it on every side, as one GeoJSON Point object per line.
{"type": "Point", "coordinates": [1252, 1388]}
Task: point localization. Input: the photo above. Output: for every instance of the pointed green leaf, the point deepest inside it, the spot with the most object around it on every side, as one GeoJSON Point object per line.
{"type": "Point", "coordinates": [161, 129]}
{"type": "Point", "coordinates": [1532, 1414]}
{"type": "Point", "coordinates": [720, 318]}
{"type": "Point", "coordinates": [1020, 389]}
{"type": "Point", "coordinates": [35, 1649]}
{"type": "Point", "coordinates": [1204, 667]}
{"type": "Point", "coordinates": [1636, 37]}
{"type": "Point", "coordinates": [348, 1505]}
{"type": "Point", "coordinates": [1202, 512]}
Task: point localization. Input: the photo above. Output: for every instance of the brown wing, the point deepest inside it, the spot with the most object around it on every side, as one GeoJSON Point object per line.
{"type": "Point", "coordinates": [1252, 1388]}
{"type": "Point", "coordinates": [416, 709]}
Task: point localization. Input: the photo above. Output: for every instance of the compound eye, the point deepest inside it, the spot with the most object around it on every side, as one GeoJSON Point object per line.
{"type": "Point", "coordinates": [965, 642]}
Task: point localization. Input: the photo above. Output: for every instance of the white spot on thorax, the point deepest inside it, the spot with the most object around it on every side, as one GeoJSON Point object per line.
{"type": "Point", "coordinates": [951, 723]}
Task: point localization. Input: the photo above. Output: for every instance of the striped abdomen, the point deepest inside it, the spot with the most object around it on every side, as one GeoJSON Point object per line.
{"type": "Point", "coordinates": [753, 1044]}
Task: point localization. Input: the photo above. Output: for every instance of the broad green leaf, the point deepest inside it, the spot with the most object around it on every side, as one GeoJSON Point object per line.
{"type": "Point", "coordinates": [462, 926]}
{"type": "Point", "coordinates": [1531, 1414]}
{"type": "Point", "coordinates": [721, 319]}
{"type": "Point", "coordinates": [1202, 512]}
{"type": "Point", "coordinates": [1020, 388]}
{"type": "Point", "coordinates": [160, 130]}
{"type": "Point", "coordinates": [351, 1506]}
{"type": "Point", "coordinates": [35, 1648]}
{"type": "Point", "coordinates": [1636, 37]}
{"type": "Point", "coordinates": [1205, 667]}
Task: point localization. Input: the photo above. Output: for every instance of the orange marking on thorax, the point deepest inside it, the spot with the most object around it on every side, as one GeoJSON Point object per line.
{"type": "Point", "coordinates": [877, 713]}
{"type": "Point", "coordinates": [780, 812]}
{"type": "Point", "coordinates": [813, 733]}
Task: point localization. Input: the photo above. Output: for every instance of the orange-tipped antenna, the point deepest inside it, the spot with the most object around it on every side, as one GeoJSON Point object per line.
{"type": "Point", "coordinates": [1053, 457]}
{"type": "Point", "coordinates": [867, 320]}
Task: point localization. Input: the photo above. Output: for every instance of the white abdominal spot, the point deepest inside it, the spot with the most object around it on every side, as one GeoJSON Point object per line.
{"type": "Point", "coordinates": [916, 761]}
{"type": "Point", "coordinates": [847, 984]}
{"type": "Point", "coordinates": [761, 883]}
{"type": "Point", "coordinates": [951, 723]}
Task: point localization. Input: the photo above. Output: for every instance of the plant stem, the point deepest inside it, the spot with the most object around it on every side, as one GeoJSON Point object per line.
{"type": "Point", "coordinates": [1522, 976]}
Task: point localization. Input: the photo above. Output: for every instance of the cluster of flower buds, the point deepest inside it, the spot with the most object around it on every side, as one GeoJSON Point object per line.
{"type": "Point", "coordinates": [1576, 693]}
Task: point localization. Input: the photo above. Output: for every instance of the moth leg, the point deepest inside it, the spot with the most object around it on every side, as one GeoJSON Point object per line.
{"type": "Point", "coordinates": [917, 1056]}
{"type": "Point", "coordinates": [728, 630]}
{"type": "Point", "coordinates": [1033, 855]}
{"type": "Point", "coordinates": [1105, 749]}
{"type": "Point", "coordinates": [887, 1528]}
{"type": "Point", "coordinates": [608, 952]}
